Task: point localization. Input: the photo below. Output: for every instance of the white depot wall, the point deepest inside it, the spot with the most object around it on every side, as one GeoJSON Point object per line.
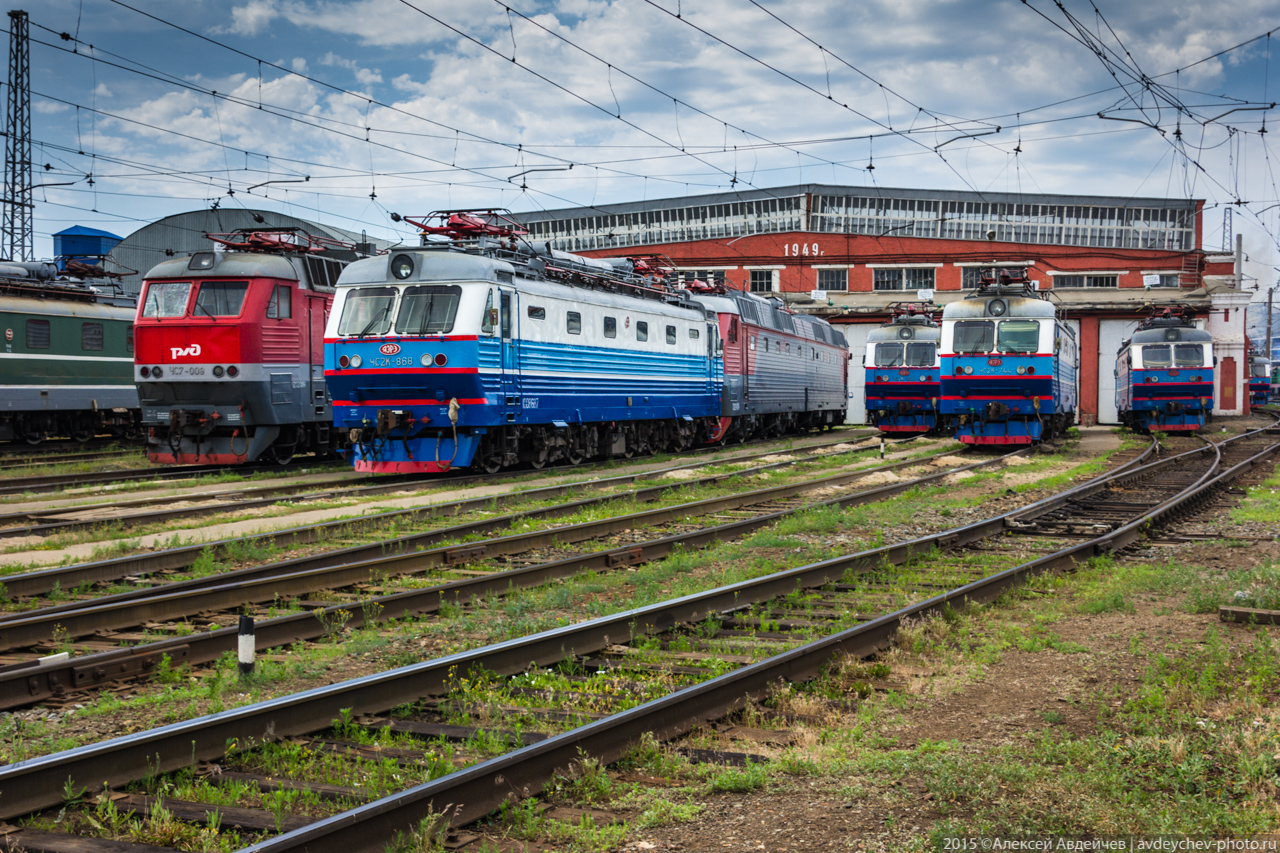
{"type": "Point", "coordinates": [856, 335]}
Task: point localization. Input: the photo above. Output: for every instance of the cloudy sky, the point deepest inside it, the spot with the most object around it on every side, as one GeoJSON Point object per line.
{"type": "Point", "coordinates": [346, 110]}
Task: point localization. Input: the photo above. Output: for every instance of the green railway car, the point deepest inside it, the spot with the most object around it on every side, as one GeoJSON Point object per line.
{"type": "Point", "coordinates": [66, 366]}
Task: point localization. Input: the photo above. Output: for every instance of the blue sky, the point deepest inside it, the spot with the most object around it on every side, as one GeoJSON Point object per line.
{"type": "Point", "coordinates": [346, 110]}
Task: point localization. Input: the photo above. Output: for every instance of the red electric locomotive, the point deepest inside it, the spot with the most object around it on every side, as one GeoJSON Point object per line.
{"type": "Point", "coordinates": [229, 349]}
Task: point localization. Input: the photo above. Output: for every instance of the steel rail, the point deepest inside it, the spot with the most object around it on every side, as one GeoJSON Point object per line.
{"type": "Point", "coordinates": [39, 782]}
{"type": "Point", "coordinates": [476, 791]}
{"type": "Point", "coordinates": [336, 569]}
{"type": "Point", "coordinates": [42, 681]}
{"type": "Point", "coordinates": [70, 577]}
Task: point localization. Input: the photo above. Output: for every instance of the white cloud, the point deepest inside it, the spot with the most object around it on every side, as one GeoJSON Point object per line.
{"type": "Point", "coordinates": [251, 19]}
{"type": "Point", "coordinates": [364, 76]}
{"type": "Point", "coordinates": [102, 91]}
{"type": "Point", "coordinates": [299, 65]}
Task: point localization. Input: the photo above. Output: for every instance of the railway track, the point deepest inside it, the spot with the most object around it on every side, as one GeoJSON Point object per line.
{"type": "Point", "coordinates": [103, 616]}
{"type": "Point", "coordinates": [10, 462]}
{"type": "Point", "coordinates": [124, 514]}
{"type": "Point", "coordinates": [656, 671]}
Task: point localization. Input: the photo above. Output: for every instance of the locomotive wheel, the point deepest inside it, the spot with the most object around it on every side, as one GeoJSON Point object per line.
{"type": "Point", "coordinates": [492, 464]}
{"type": "Point", "coordinates": [282, 454]}
{"type": "Point", "coordinates": [573, 454]}
{"type": "Point", "coordinates": [33, 438]}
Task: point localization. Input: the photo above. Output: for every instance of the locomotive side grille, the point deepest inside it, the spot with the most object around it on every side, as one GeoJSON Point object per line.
{"type": "Point", "coordinates": [280, 345]}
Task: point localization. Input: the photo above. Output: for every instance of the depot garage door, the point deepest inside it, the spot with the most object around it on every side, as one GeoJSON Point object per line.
{"type": "Point", "coordinates": [1111, 333]}
{"type": "Point", "coordinates": [856, 336]}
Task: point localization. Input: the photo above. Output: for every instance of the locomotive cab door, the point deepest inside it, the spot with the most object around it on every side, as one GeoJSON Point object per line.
{"type": "Point", "coordinates": [508, 332]}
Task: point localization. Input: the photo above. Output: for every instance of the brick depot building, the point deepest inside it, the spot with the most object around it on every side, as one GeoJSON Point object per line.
{"type": "Point", "coordinates": [847, 253]}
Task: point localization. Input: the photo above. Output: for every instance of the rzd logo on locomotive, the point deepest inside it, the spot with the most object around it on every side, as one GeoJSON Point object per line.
{"type": "Point", "coordinates": [389, 349]}
{"type": "Point", "coordinates": [179, 352]}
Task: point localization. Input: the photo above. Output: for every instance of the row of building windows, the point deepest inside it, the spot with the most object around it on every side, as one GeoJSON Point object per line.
{"type": "Point", "coordinates": [1041, 223]}
{"type": "Point", "coordinates": [909, 278]}
{"type": "Point", "coordinates": [92, 336]}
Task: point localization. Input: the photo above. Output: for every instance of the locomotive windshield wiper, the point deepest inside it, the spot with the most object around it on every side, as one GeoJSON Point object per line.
{"type": "Point", "coordinates": [426, 315]}
{"type": "Point", "coordinates": [200, 306]}
{"type": "Point", "coordinates": [376, 319]}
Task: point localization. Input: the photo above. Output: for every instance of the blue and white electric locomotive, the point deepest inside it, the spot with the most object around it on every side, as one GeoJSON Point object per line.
{"type": "Point", "coordinates": [1164, 374]}
{"type": "Point", "coordinates": [476, 351]}
{"type": "Point", "coordinates": [1008, 363]}
{"type": "Point", "coordinates": [902, 365]}
{"type": "Point", "coordinates": [1259, 378]}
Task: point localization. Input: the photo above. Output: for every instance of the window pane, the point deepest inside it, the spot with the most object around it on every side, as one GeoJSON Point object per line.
{"type": "Point", "coordinates": [1019, 336]}
{"type": "Point", "coordinates": [1156, 355]}
{"type": "Point", "coordinates": [1188, 355]}
{"type": "Point", "coordinates": [573, 323]}
{"type": "Point", "coordinates": [37, 334]}
{"type": "Point", "coordinates": [537, 312]}
{"type": "Point", "coordinates": [642, 331]}
{"type": "Point", "coordinates": [128, 340]}
{"type": "Point", "coordinates": [694, 334]}
{"type": "Point", "coordinates": [671, 334]}
{"type": "Point", "coordinates": [486, 320]}
{"type": "Point", "coordinates": [220, 298]}
{"type": "Point", "coordinates": [166, 299]}
{"type": "Point", "coordinates": [367, 311]}
{"type": "Point", "coordinates": [833, 279]}
{"type": "Point", "coordinates": [610, 327]}
{"type": "Point", "coordinates": [973, 336]}
{"type": "Point", "coordinates": [921, 355]}
{"type": "Point", "coordinates": [889, 355]}
{"type": "Point", "coordinates": [887, 279]}
{"type": "Point", "coordinates": [280, 306]}
{"type": "Point", "coordinates": [91, 336]}
{"type": "Point", "coordinates": [428, 310]}
{"type": "Point", "coordinates": [761, 281]}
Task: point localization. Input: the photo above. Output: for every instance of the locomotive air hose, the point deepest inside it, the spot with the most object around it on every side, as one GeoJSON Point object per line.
{"type": "Point", "coordinates": [454, 408]}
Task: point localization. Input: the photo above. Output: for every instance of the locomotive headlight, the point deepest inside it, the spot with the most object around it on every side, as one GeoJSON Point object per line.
{"type": "Point", "coordinates": [156, 372]}
{"type": "Point", "coordinates": [996, 307]}
{"type": "Point", "coordinates": [146, 371]}
{"type": "Point", "coordinates": [426, 359]}
{"type": "Point", "coordinates": [1022, 369]}
{"type": "Point", "coordinates": [402, 266]}
{"type": "Point", "coordinates": [968, 371]}
{"type": "Point", "coordinates": [356, 361]}
{"type": "Point", "coordinates": [217, 370]}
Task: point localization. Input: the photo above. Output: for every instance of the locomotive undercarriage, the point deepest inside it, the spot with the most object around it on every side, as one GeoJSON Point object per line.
{"type": "Point", "coordinates": [192, 438]}
{"type": "Point", "coordinates": [35, 427]}
{"type": "Point", "coordinates": [995, 426]}
{"type": "Point", "coordinates": [541, 445]}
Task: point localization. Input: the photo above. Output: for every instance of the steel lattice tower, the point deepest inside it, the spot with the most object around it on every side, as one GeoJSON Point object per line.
{"type": "Point", "coordinates": [18, 234]}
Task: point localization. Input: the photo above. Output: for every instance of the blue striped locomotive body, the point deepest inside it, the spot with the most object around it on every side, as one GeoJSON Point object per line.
{"type": "Point", "coordinates": [1259, 379]}
{"type": "Point", "coordinates": [1009, 364]}
{"type": "Point", "coordinates": [902, 366]}
{"type": "Point", "coordinates": [1164, 374]}
{"type": "Point", "coordinates": [477, 352]}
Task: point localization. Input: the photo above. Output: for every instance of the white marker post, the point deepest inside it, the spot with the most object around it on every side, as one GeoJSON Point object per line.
{"type": "Point", "coordinates": [247, 647]}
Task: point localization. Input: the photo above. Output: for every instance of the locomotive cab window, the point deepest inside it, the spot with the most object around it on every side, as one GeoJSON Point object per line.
{"type": "Point", "coordinates": [37, 334]}
{"type": "Point", "coordinates": [428, 309]}
{"type": "Point", "coordinates": [220, 298]}
{"type": "Point", "coordinates": [973, 336]}
{"type": "Point", "coordinates": [1156, 356]}
{"type": "Point", "coordinates": [166, 299]}
{"type": "Point", "coordinates": [91, 337]}
{"type": "Point", "coordinates": [573, 323]}
{"type": "Point", "coordinates": [733, 330]}
{"type": "Point", "coordinates": [610, 327]}
{"type": "Point", "coordinates": [888, 355]}
{"type": "Point", "coordinates": [1188, 355]}
{"type": "Point", "coordinates": [671, 334]}
{"type": "Point", "coordinates": [1019, 336]}
{"type": "Point", "coordinates": [280, 305]}
{"type": "Point", "coordinates": [642, 330]}
{"type": "Point", "coordinates": [367, 311]}
{"type": "Point", "coordinates": [921, 354]}
{"type": "Point", "coordinates": [489, 318]}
